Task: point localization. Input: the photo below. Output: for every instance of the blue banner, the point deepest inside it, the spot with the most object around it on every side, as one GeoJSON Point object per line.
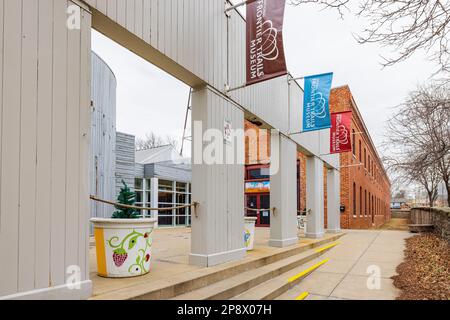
{"type": "Point", "coordinates": [316, 106]}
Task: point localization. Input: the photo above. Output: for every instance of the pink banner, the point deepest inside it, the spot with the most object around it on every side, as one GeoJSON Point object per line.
{"type": "Point", "coordinates": [340, 136]}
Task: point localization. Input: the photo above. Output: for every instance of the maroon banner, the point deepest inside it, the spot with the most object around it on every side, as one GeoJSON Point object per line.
{"type": "Point", "coordinates": [340, 136]}
{"type": "Point", "coordinates": [265, 52]}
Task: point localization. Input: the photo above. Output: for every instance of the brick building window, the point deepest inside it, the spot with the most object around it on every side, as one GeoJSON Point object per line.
{"type": "Point", "coordinates": [360, 152]}
{"type": "Point", "coordinates": [365, 203]}
{"type": "Point", "coordinates": [371, 207]}
{"type": "Point", "coordinates": [353, 142]}
{"type": "Point", "coordinates": [354, 199]}
{"type": "Point", "coordinates": [365, 158]}
{"type": "Point", "coordinates": [360, 201]}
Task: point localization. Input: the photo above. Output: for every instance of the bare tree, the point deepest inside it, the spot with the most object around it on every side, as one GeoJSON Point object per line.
{"type": "Point", "coordinates": [419, 138]}
{"type": "Point", "coordinates": [153, 140]}
{"type": "Point", "coordinates": [339, 5]}
{"type": "Point", "coordinates": [407, 26]}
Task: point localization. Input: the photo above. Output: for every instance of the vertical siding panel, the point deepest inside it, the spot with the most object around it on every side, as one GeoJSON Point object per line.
{"type": "Point", "coordinates": [161, 25]}
{"type": "Point", "coordinates": [130, 5]}
{"type": "Point", "coordinates": [10, 146]}
{"type": "Point", "coordinates": [28, 146]}
{"type": "Point", "coordinates": [168, 27]}
{"type": "Point", "coordinates": [102, 6]}
{"type": "Point", "coordinates": [59, 133]}
{"type": "Point", "coordinates": [154, 23]}
{"type": "Point", "coordinates": [138, 18]}
{"type": "Point", "coordinates": [84, 114]}
{"type": "Point", "coordinates": [210, 36]}
{"type": "Point", "coordinates": [122, 12]}
{"type": "Point", "coordinates": [73, 146]}
{"type": "Point", "coordinates": [196, 39]}
{"type": "Point", "coordinates": [1, 96]}
{"type": "Point", "coordinates": [44, 135]}
{"type": "Point", "coordinates": [215, 51]}
{"type": "Point", "coordinates": [175, 22]}
{"type": "Point", "coordinates": [188, 41]}
{"type": "Point", "coordinates": [147, 23]}
{"type": "Point", "coordinates": [112, 9]}
{"type": "Point", "coordinates": [181, 58]}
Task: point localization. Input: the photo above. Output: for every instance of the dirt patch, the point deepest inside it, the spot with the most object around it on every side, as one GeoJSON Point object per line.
{"type": "Point", "coordinates": [396, 224]}
{"type": "Point", "coordinates": [425, 274]}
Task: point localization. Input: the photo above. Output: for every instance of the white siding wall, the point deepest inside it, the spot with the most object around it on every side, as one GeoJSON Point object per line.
{"type": "Point", "coordinates": [198, 36]}
{"type": "Point", "coordinates": [219, 189]}
{"type": "Point", "coordinates": [44, 127]}
{"type": "Point", "coordinates": [103, 137]}
{"type": "Point", "coordinates": [126, 167]}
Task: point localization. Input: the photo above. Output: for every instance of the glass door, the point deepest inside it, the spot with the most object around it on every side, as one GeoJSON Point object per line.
{"type": "Point", "coordinates": [259, 201]}
{"type": "Point", "coordinates": [264, 216]}
{"type": "Point", "coordinates": [252, 202]}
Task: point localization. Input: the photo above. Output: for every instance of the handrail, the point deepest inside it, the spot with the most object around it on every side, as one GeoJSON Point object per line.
{"type": "Point", "coordinates": [126, 206]}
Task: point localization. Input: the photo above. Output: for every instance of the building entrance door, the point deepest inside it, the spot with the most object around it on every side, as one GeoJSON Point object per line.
{"type": "Point", "coordinates": [259, 201]}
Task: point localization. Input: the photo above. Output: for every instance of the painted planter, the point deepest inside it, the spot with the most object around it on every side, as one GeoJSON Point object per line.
{"type": "Point", "coordinates": [301, 222]}
{"type": "Point", "coordinates": [249, 233]}
{"type": "Point", "coordinates": [124, 246]}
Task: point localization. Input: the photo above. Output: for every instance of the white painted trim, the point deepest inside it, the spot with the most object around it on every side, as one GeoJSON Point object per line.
{"type": "Point", "coordinates": [55, 293]}
{"type": "Point", "coordinates": [210, 260]}
{"type": "Point", "coordinates": [315, 235]}
{"type": "Point", "coordinates": [283, 242]}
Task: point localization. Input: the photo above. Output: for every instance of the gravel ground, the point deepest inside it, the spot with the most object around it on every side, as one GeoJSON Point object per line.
{"type": "Point", "coordinates": [425, 274]}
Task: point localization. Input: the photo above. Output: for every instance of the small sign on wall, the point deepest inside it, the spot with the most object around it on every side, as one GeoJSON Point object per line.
{"type": "Point", "coordinates": [227, 128]}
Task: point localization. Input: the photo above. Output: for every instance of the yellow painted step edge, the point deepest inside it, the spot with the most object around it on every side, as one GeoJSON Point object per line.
{"type": "Point", "coordinates": [327, 247]}
{"type": "Point", "coordinates": [303, 296]}
{"type": "Point", "coordinates": [309, 270]}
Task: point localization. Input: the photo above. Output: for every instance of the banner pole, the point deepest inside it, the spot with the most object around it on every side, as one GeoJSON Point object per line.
{"type": "Point", "coordinates": [240, 4]}
{"type": "Point", "coordinates": [228, 89]}
{"type": "Point", "coordinates": [295, 79]}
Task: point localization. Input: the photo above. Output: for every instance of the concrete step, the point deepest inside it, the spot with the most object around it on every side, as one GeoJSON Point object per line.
{"type": "Point", "coordinates": [276, 287]}
{"type": "Point", "coordinates": [265, 282]}
{"type": "Point", "coordinates": [204, 277]}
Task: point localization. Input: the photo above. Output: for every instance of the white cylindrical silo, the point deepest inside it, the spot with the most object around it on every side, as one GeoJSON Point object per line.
{"type": "Point", "coordinates": [103, 136]}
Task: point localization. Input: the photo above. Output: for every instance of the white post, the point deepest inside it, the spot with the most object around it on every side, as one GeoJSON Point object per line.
{"type": "Point", "coordinates": [217, 234]}
{"type": "Point", "coordinates": [283, 192]}
{"type": "Point", "coordinates": [154, 198]}
{"type": "Point", "coordinates": [314, 197]}
{"type": "Point", "coordinates": [333, 201]}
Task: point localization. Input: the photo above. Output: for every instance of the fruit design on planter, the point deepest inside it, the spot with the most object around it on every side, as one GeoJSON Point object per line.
{"type": "Point", "coordinates": [119, 257]}
{"type": "Point", "coordinates": [120, 254]}
{"type": "Point", "coordinates": [247, 236]}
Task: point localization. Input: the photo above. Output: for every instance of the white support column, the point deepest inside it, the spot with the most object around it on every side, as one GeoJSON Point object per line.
{"type": "Point", "coordinates": [218, 222]}
{"type": "Point", "coordinates": [283, 191]}
{"type": "Point", "coordinates": [333, 201]}
{"type": "Point", "coordinates": [314, 197]}
{"type": "Point", "coordinates": [154, 197]}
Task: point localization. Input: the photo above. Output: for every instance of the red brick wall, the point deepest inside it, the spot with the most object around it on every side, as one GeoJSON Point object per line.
{"type": "Point", "coordinates": [374, 182]}
{"type": "Point", "coordinates": [376, 185]}
{"type": "Point", "coordinates": [255, 154]}
{"type": "Point", "coordinates": [257, 145]}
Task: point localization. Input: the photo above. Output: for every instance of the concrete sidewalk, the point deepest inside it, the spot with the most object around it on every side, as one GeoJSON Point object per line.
{"type": "Point", "coordinates": [345, 275]}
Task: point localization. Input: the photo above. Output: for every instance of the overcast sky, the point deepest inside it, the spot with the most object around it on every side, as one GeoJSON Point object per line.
{"type": "Point", "coordinates": [315, 41]}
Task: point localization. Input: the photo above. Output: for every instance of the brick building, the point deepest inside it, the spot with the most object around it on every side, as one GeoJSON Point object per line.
{"type": "Point", "coordinates": [257, 153]}
{"type": "Point", "coordinates": [365, 186]}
